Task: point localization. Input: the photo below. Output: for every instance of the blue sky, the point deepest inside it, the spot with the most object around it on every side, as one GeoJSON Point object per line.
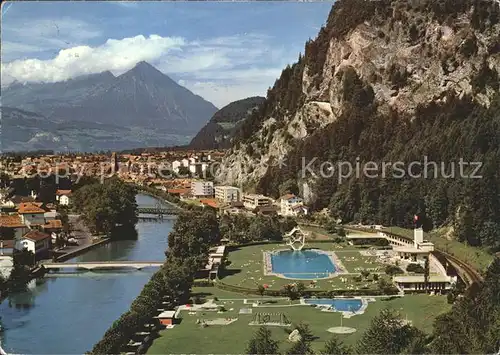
{"type": "Point", "coordinates": [222, 51]}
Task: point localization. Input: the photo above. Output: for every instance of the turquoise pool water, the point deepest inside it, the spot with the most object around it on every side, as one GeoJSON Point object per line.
{"type": "Point", "coordinates": [341, 305]}
{"type": "Point", "coordinates": [303, 264]}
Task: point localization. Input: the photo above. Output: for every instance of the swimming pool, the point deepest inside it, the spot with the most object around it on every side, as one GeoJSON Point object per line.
{"type": "Point", "coordinates": [302, 265]}
{"type": "Point", "coordinates": [340, 305]}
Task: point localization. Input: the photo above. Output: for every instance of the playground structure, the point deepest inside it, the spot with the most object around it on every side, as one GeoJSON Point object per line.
{"type": "Point", "coordinates": [296, 238]}
{"type": "Point", "coordinates": [276, 319]}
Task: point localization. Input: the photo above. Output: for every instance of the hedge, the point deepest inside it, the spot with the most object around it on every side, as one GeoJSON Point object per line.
{"type": "Point", "coordinates": [307, 293]}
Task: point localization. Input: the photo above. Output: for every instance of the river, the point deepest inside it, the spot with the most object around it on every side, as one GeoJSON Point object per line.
{"type": "Point", "coordinates": [68, 313]}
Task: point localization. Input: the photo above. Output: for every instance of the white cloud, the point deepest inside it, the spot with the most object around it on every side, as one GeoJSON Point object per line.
{"type": "Point", "coordinates": [114, 55]}
{"type": "Point", "coordinates": [220, 69]}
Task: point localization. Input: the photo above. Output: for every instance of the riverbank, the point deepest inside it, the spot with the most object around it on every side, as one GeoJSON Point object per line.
{"type": "Point", "coordinates": [81, 234]}
{"type": "Point", "coordinates": [32, 319]}
{"type": "Point", "coordinates": [81, 250]}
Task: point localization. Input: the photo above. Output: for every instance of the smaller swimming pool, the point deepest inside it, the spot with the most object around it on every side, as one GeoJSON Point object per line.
{"type": "Point", "coordinates": [339, 304]}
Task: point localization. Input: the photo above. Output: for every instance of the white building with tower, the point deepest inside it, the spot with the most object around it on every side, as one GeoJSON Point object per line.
{"type": "Point", "coordinates": [414, 250]}
{"type": "Point", "coordinates": [417, 252]}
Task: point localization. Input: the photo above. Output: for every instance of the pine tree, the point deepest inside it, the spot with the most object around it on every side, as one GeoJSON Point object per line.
{"type": "Point", "coordinates": [335, 347]}
{"type": "Point", "coordinates": [262, 343]}
{"type": "Point", "coordinates": [387, 334]}
{"type": "Point", "coordinates": [301, 347]}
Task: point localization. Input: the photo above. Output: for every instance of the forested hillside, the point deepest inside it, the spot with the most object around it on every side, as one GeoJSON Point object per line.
{"type": "Point", "coordinates": [217, 133]}
{"type": "Point", "coordinates": [386, 82]}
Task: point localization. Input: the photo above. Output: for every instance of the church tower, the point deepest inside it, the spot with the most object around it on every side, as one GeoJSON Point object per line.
{"type": "Point", "coordinates": [114, 162]}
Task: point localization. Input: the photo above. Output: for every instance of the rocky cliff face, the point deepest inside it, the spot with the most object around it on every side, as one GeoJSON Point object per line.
{"type": "Point", "coordinates": [404, 54]}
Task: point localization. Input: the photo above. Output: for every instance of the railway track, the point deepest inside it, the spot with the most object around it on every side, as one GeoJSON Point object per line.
{"type": "Point", "coordinates": [473, 275]}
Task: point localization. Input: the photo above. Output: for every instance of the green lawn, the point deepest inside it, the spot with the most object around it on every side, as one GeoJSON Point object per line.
{"type": "Point", "coordinates": [355, 262]}
{"type": "Point", "coordinates": [212, 291]}
{"type": "Point", "coordinates": [195, 202]}
{"type": "Point", "coordinates": [189, 337]}
{"type": "Point", "coordinates": [246, 268]}
{"type": "Point", "coordinates": [318, 233]}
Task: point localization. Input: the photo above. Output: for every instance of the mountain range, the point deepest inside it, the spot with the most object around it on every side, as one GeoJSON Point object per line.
{"type": "Point", "coordinates": [138, 108]}
{"type": "Point", "coordinates": [217, 133]}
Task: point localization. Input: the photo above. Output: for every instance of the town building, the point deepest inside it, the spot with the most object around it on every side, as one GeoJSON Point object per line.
{"type": "Point", "coordinates": [209, 202]}
{"type": "Point", "coordinates": [227, 194]}
{"type": "Point", "coordinates": [176, 164]}
{"type": "Point", "coordinates": [197, 168]}
{"type": "Point", "coordinates": [166, 318]}
{"type": "Point", "coordinates": [202, 189]}
{"type": "Point", "coordinates": [12, 226]}
{"type": "Point", "coordinates": [114, 161]}
{"type": "Point", "coordinates": [6, 247]}
{"type": "Point", "coordinates": [416, 283]}
{"type": "Point", "coordinates": [34, 241]}
{"type": "Point", "coordinates": [291, 205]}
{"type": "Point", "coordinates": [215, 259]}
{"type": "Point", "coordinates": [53, 227]}
{"type": "Point", "coordinates": [419, 251]}
{"type": "Point", "coordinates": [252, 201]}
{"type": "Point", "coordinates": [179, 192]}
{"type": "Point", "coordinates": [63, 197]}
{"type": "Point", "coordinates": [16, 200]}
{"type": "Point", "coordinates": [32, 213]}
{"type": "Point", "coordinates": [267, 210]}
{"type": "Point", "coordinates": [299, 210]}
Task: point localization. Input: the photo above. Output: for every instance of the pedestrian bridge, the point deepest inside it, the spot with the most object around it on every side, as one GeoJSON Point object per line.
{"type": "Point", "coordinates": [158, 210]}
{"type": "Point", "coordinates": [93, 265]}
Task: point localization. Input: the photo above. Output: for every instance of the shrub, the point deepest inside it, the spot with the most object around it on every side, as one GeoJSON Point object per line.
{"type": "Point", "coordinates": [416, 268]}
{"type": "Point", "coordinates": [392, 270]}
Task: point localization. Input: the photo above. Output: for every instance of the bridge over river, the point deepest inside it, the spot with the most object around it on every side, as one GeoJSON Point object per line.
{"type": "Point", "coordinates": [93, 265]}
{"type": "Point", "coordinates": [158, 210]}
